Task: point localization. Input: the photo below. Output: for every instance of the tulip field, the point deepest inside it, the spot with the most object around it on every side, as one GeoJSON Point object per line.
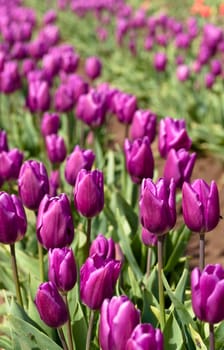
{"type": "Point", "coordinates": [107, 108]}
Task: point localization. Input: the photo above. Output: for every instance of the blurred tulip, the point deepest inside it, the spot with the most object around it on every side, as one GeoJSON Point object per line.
{"type": "Point", "coordinates": [63, 98]}
{"type": "Point", "coordinates": [50, 124]}
{"type": "Point", "coordinates": [145, 337]}
{"type": "Point", "coordinates": [125, 107]}
{"type": "Point", "coordinates": [11, 162]}
{"type": "Point", "coordinates": [143, 124]}
{"type": "Point", "coordinates": [160, 61]}
{"type": "Point", "coordinates": [118, 318]}
{"type": "Point", "coordinates": [98, 278]}
{"type": "Point", "coordinates": [200, 204]}
{"type": "Point", "coordinates": [56, 149]}
{"type": "Point", "coordinates": [54, 222]}
{"type": "Point", "coordinates": [38, 99]}
{"type": "Point", "coordinates": [93, 67]}
{"type": "Point", "coordinates": [182, 72]}
{"type": "Point", "coordinates": [3, 141]}
{"type": "Point", "coordinates": [50, 305]}
{"type": "Point", "coordinates": [209, 80]}
{"type": "Point", "coordinates": [103, 247]}
{"type": "Point", "coordinates": [10, 79]}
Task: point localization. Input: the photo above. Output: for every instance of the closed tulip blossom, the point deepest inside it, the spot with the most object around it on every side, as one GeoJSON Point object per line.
{"type": "Point", "coordinates": [118, 318]}
{"type": "Point", "coordinates": [54, 222]}
{"type": "Point", "coordinates": [207, 288]}
{"type": "Point", "coordinates": [56, 149]}
{"type": "Point", "coordinates": [13, 223]}
{"type": "Point", "coordinates": [3, 141]}
{"type": "Point", "coordinates": [89, 192]}
{"type": "Point", "coordinates": [77, 160]}
{"type": "Point", "coordinates": [38, 99]}
{"type": "Point", "coordinates": [103, 247]}
{"type": "Point", "coordinates": [50, 305]}
{"type": "Point", "coordinates": [63, 98]}
{"type": "Point", "coordinates": [62, 268]}
{"type": "Point", "coordinates": [145, 337]}
{"type": "Point", "coordinates": [183, 72]}
{"type": "Point", "coordinates": [173, 134]}
{"type": "Point", "coordinates": [10, 79]}
{"type": "Point", "coordinates": [11, 162]}
{"type": "Point", "coordinates": [125, 106]}
{"type": "Point", "coordinates": [143, 124]}
{"type": "Point", "coordinates": [148, 238]}
{"type": "Point", "coordinates": [139, 159]}
{"type": "Point", "coordinates": [50, 124]}
{"type": "Point", "coordinates": [179, 165]}
{"type": "Point", "coordinates": [200, 204]}
{"type": "Point", "coordinates": [93, 67]}
{"type": "Point", "coordinates": [160, 61]}
{"type": "Point", "coordinates": [98, 278]}
{"type": "Point", "coordinates": [157, 205]}
{"type": "Point", "coordinates": [33, 183]}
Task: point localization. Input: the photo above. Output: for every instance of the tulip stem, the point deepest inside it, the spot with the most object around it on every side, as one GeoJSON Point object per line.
{"type": "Point", "coordinates": [41, 261]}
{"type": "Point", "coordinates": [160, 282]}
{"type": "Point", "coordinates": [88, 233]}
{"type": "Point", "coordinates": [15, 274]}
{"type": "Point", "coordinates": [149, 258]}
{"type": "Point", "coordinates": [68, 324]}
{"type": "Point", "coordinates": [62, 339]}
{"type": "Point", "coordinates": [202, 251]}
{"type": "Point", "coordinates": [211, 337]}
{"type": "Point", "coordinates": [90, 328]}
{"type": "Point", "coordinates": [70, 131]}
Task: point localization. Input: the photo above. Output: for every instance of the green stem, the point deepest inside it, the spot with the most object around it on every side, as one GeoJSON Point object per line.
{"type": "Point", "coordinates": [211, 337]}
{"type": "Point", "coordinates": [160, 282]}
{"type": "Point", "coordinates": [41, 261]}
{"type": "Point", "coordinates": [90, 328]}
{"type": "Point", "coordinates": [62, 338]}
{"type": "Point", "coordinates": [70, 130]}
{"type": "Point", "coordinates": [149, 258]}
{"type": "Point", "coordinates": [202, 251]}
{"type": "Point", "coordinates": [68, 324]}
{"type": "Point", "coordinates": [15, 274]}
{"type": "Point", "coordinates": [88, 233]}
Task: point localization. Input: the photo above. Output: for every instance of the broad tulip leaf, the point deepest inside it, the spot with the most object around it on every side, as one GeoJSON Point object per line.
{"type": "Point", "coordinates": [172, 334]}
{"type": "Point", "coordinates": [198, 342]}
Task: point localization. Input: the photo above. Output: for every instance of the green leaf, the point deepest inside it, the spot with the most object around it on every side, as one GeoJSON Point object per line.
{"type": "Point", "coordinates": [198, 342]}
{"type": "Point", "coordinates": [110, 170]}
{"type": "Point", "coordinates": [182, 284]}
{"type": "Point", "coordinates": [127, 210]}
{"type": "Point", "coordinates": [172, 334]}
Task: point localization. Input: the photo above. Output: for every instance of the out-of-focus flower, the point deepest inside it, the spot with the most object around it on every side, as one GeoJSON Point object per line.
{"type": "Point", "coordinates": [97, 280]}
{"type": "Point", "coordinates": [93, 67]}
{"type": "Point", "coordinates": [145, 337]}
{"type": "Point", "coordinates": [160, 61]}
{"type": "Point", "coordinates": [11, 162]}
{"type": "Point", "coordinates": [50, 124]}
{"type": "Point", "coordinates": [10, 79]}
{"type": "Point", "coordinates": [183, 72]}
{"type": "Point", "coordinates": [63, 98]}
{"type": "Point", "coordinates": [118, 318]}
{"type": "Point", "coordinates": [200, 204]}
{"type": "Point", "coordinates": [50, 305]}
{"type": "Point", "coordinates": [207, 289]}
{"type": "Point", "coordinates": [209, 80]}
{"type": "Point", "coordinates": [38, 99]}
{"type": "Point", "coordinates": [125, 106]}
{"type": "Point", "coordinates": [56, 149]}
{"type": "Point", "coordinates": [3, 141]}
{"type": "Point", "coordinates": [54, 222]}
{"type": "Point", "coordinates": [103, 247]}
{"type": "Point", "coordinates": [143, 124]}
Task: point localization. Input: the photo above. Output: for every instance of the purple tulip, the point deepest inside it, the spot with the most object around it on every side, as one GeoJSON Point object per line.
{"type": "Point", "coordinates": [103, 247]}
{"type": "Point", "coordinates": [139, 159]}
{"type": "Point", "coordinates": [216, 67]}
{"type": "Point", "coordinates": [209, 80]}
{"type": "Point", "coordinates": [143, 124]}
{"type": "Point", "coordinates": [69, 61]}
{"type": "Point", "coordinates": [179, 165]}
{"type": "Point", "coordinates": [11, 162]}
{"type": "Point", "coordinates": [125, 107]}
{"type": "Point", "coordinates": [157, 205]}
{"type": "Point", "coordinates": [148, 238]}
{"type": "Point", "coordinates": [145, 337]}
{"type": "Point", "coordinates": [207, 287]}
{"type": "Point", "coordinates": [3, 141]}
{"type": "Point", "coordinates": [118, 318]}
{"type": "Point", "coordinates": [89, 192]}
{"type": "Point", "coordinates": [63, 98]}
{"type": "Point", "coordinates": [182, 72]}
{"type": "Point", "coordinates": [49, 17]}
{"type": "Point", "coordinates": [51, 64]}
{"type": "Point", "coordinates": [56, 149]}
{"type": "Point", "coordinates": [98, 278]}
{"type": "Point", "coordinates": [38, 99]}
{"type": "Point", "coordinates": [50, 124]}
{"type": "Point", "coordinates": [173, 134]}
{"type": "Point", "coordinates": [28, 66]}
{"type": "Point", "coordinates": [13, 223]}
{"type": "Point", "coordinates": [160, 61]}
{"type": "Point", "coordinates": [54, 222]}
{"type": "Point", "coordinates": [91, 108]}
{"type": "Point", "coordinates": [77, 85]}
{"type": "Point", "coordinates": [200, 204]}
{"type": "Point", "coordinates": [33, 183]}
{"type": "Point", "coordinates": [77, 160]}
{"type": "Point", "coordinates": [50, 305]}
{"type": "Point", "coordinates": [54, 182]}
{"type": "Point", "coordinates": [10, 79]}
{"type": "Point", "coordinates": [212, 35]}
{"type": "Point", "coordinates": [93, 67]}
{"type": "Point", "coordinates": [62, 269]}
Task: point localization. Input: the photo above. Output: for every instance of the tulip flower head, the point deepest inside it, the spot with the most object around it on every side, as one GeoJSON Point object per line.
{"type": "Point", "coordinates": [103, 247]}
{"type": "Point", "coordinates": [143, 124]}
{"type": "Point", "coordinates": [145, 337]}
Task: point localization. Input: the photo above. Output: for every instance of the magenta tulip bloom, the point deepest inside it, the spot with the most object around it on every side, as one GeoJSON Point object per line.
{"type": "Point", "coordinates": [98, 278]}
{"type": "Point", "coordinates": [157, 205]}
{"type": "Point", "coordinates": [56, 149]}
{"type": "Point", "coordinates": [93, 67]}
{"type": "Point", "coordinates": [118, 318]}
{"type": "Point", "coordinates": [125, 106]}
{"type": "Point", "coordinates": [50, 305]}
{"type": "Point", "coordinates": [3, 141]}
{"type": "Point", "coordinates": [160, 61]}
{"type": "Point", "coordinates": [200, 204]}
{"type": "Point", "coordinates": [50, 124]}
{"type": "Point", "coordinates": [89, 192]}
{"type": "Point", "coordinates": [103, 247]}
{"type": "Point", "coordinates": [207, 287]}
{"type": "Point", "coordinates": [145, 337]}
{"type": "Point", "coordinates": [11, 162]}
{"type": "Point", "coordinates": [143, 124]}
{"type": "Point", "coordinates": [38, 99]}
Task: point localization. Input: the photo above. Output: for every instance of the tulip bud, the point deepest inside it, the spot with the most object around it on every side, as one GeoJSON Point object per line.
{"type": "Point", "coordinates": [139, 159]}
{"type": "Point", "coordinates": [200, 204]}
{"type": "Point", "coordinates": [148, 238]}
{"type": "Point", "coordinates": [13, 221]}
{"type": "Point", "coordinates": [118, 318]}
{"type": "Point", "coordinates": [160, 61]}
{"type": "Point", "coordinates": [54, 222]}
{"type": "Point", "coordinates": [62, 268]}
{"type": "Point", "coordinates": [38, 99]}
{"type": "Point", "coordinates": [56, 149]}
{"type": "Point", "coordinates": [145, 337]}
{"type": "Point", "coordinates": [173, 134]}
{"type": "Point", "coordinates": [125, 107]}
{"type": "Point", "coordinates": [98, 278]}
{"type": "Point", "coordinates": [3, 141]}
{"type": "Point", "coordinates": [89, 192]}
{"type": "Point", "coordinates": [10, 79]}
{"type": "Point", "coordinates": [209, 80]}
{"type": "Point", "coordinates": [183, 72]}
{"type": "Point", "coordinates": [50, 124]}
{"type": "Point", "coordinates": [10, 164]}
{"type": "Point", "coordinates": [93, 67]}
{"type": "Point", "coordinates": [179, 165]}
{"type": "Point", "coordinates": [103, 247]}
{"type": "Point", "coordinates": [77, 160]}
{"type": "Point", "coordinates": [157, 205]}
{"type": "Point", "coordinates": [143, 124]}
{"type": "Point", "coordinates": [50, 305]}
{"type": "Point", "coordinates": [207, 290]}
{"type": "Point", "coordinates": [63, 98]}
{"type": "Point", "coordinates": [33, 183]}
